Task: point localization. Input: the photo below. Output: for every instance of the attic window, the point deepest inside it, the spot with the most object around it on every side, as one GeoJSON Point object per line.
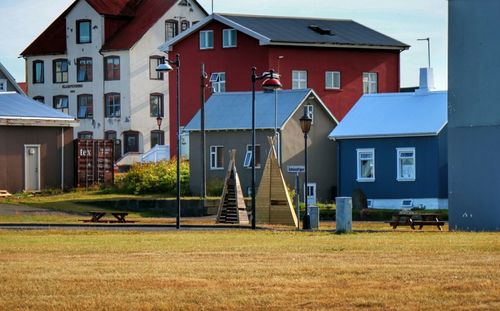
{"type": "Point", "coordinates": [321, 30]}
{"type": "Point", "coordinates": [184, 2]}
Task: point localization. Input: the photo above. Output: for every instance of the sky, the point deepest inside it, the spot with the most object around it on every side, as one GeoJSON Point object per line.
{"type": "Point", "coordinates": [404, 20]}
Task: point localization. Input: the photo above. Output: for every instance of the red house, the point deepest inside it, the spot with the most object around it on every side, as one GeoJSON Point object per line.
{"type": "Point", "coordinates": [339, 59]}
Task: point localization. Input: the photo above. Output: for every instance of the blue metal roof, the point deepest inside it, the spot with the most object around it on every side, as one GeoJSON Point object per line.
{"type": "Point", "coordinates": [233, 110]}
{"type": "Point", "coordinates": [14, 105]}
{"type": "Point", "coordinates": [395, 114]}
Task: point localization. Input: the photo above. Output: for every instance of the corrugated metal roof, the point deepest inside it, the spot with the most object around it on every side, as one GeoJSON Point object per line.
{"type": "Point", "coordinates": [233, 110]}
{"type": "Point", "coordinates": [395, 114]}
{"type": "Point", "coordinates": [14, 105]}
{"type": "Point", "coordinates": [275, 30]}
{"type": "Point", "coordinates": [302, 30]}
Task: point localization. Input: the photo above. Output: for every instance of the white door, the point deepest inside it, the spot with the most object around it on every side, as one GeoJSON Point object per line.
{"type": "Point", "coordinates": [311, 193]}
{"type": "Point", "coordinates": [32, 167]}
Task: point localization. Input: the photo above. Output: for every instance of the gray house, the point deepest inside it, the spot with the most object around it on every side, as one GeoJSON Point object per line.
{"type": "Point", "coordinates": [36, 145]}
{"type": "Point", "coordinates": [228, 126]}
{"type": "Point", "coordinates": [7, 81]}
{"type": "Point", "coordinates": [393, 146]}
{"type": "Point", "coordinates": [474, 115]}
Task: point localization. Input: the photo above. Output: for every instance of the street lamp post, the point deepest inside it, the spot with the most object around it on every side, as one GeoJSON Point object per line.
{"type": "Point", "coordinates": [271, 82]}
{"type": "Point", "coordinates": [164, 66]}
{"type": "Point", "coordinates": [305, 125]}
{"type": "Point", "coordinates": [158, 122]}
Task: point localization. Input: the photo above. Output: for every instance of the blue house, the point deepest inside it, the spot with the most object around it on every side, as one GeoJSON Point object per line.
{"type": "Point", "coordinates": [393, 147]}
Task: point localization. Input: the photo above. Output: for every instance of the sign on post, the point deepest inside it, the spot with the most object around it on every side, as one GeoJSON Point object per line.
{"type": "Point", "coordinates": [295, 169]}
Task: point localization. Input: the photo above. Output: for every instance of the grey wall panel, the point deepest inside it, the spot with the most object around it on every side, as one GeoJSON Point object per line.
{"type": "Point", "coordinates": [474, 178]}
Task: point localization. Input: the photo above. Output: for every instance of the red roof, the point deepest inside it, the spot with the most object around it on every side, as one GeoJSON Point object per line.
{"type": "Point", "coordinates": [135, 17]}
{"type": "Point", "coordinates": [23, 86]}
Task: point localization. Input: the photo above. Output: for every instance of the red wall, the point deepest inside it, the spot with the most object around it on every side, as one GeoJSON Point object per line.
{"type": "Point", "coordinates": [237, 63]}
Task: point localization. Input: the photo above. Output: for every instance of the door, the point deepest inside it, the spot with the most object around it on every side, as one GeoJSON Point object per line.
{"type": "Point", "coordinates": [32, 167]}
{"type": "Point", "coordinates": [311, 193]}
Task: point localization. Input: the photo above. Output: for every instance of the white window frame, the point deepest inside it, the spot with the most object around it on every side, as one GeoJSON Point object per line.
{"type": "Point", "coordinates": [214, 160]}
{"type": "Point", "coordinates": [218, 80]}
{"type": "Point", "coordinates": [299, 79]}
{"type": "Point", "coordinates": [335, 77]}
{"type": "Point", "coordinates": [229, 39]}
{"type": "Point", "coordinates": [311, 199]}
{"type": "Point", "coordinates": [204, 39]}
{"type": "Point", "coordinates": [370, 82]}
{"type": "Point", "coordinates": [248, 157]}
{"type": "Point", "coordinates": [3, 85]}
{"type": "Point", "coordinates": [310, 112]}
{"type": "Point", "coordinates": [360, 178]}
{"type": "Point", "coordinates": [399, 152]}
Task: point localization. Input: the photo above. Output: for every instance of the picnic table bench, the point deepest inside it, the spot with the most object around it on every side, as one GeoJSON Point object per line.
{"type": "Point", "coordinates": [98, 217]}
{"type": "Point", "coordinates": [416, 219]}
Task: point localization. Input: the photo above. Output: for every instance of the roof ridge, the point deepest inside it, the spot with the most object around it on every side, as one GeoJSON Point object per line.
{"type": "Point", "coordinates": [285, 17]}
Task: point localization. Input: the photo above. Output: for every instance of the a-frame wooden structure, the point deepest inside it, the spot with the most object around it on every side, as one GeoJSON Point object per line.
{"type": "Point", "coordinates": [273, 203]}
{"type": "Point", "coordinates": [232, 208]}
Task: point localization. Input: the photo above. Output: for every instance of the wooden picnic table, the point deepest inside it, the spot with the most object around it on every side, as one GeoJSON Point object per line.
{"type": "Point", "coordinates": [98, 217]}
{"type": "Point", "coordinates": [416, 219]}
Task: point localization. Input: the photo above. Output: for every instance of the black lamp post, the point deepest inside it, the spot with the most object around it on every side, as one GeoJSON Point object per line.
{"type": "Point", "coordinates": [164, 66]}
{"type": "Point", "coordinates": [305, 125]}
{"type": "Point", "coordinates": [271, 82]}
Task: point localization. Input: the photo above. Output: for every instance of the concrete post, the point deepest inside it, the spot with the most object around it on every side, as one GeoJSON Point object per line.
{"type": "Point", "coordinates": [343, 214]}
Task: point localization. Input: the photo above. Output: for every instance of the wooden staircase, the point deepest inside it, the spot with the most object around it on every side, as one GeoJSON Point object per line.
{"type": "Point", "coordinates": [232, 208]}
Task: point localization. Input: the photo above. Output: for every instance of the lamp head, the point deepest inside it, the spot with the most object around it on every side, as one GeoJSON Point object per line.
{"type": "Point", "coordinates": [305, 122]}
{"type": "Point", "coordinates": [163, 66]}
{"type": "Point", "coordinates": [158, 121]}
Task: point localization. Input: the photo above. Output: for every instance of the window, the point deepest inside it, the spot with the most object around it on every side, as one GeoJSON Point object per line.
{"type": "Point", "coordinates": [406, 164]}
{"type": "Point", "coordinates": [111, 135]}
{"type": "Point", "coordinates": [370, 82]}
{"type": "Point", "coordinates": [61, 102]}
{"type": "Point", "coordinates": [39, 99]}
{"type": "Point", "coordinates": [112, 68]}
{"type": "Point", "coordinates": [299, 79]}
{"type": "Point", "coordinates": [229, 38]}
{"type": "Point", "coordinates": [38, 71]}
{"type": "Point", "coordinates": [85, 135]}
{"type": "Point", "coordinates": [156, 105]}
{"type": "Point", "coordinates": [131, 141]}
{"type": "Point", "coordinates": [171, 29]}
{"type": "Point", "coordinates": [3, 85]}
{"type": "Point", "coordinates": [248, 156]}
{"type": "Point", "coordinates": [184, 25]}
{"type": "Point", "coordinates": [84, 69]}
{"type": "Point", "coordinates": [83, 33]}
{"type": "Point", "coordinates": [154, 61]}
{"type": "Point", "coordinates": [112, 105]}
{"type": "Point", "coordinates": [206, 39]}
{"type": "Point", "coordinates": [218, 80]}
{"type": "Point", "coordinates": [60, 71]}
{"type": "Point", "coordinates": [332, 80]}
{"type": "Point", "coordinates": [366, 165]}
{"type": "Point", "coordinates": [310, 112]}
{"type": "Point", "coordinates": [216, 157]}
{"type": "Point", "coordinates": [157, 138]}
{"type": "Point", "coordinates": [85, 108]}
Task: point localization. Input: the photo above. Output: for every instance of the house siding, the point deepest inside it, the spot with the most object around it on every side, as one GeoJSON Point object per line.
{"type": "Point", "coordinates": [430, 168]}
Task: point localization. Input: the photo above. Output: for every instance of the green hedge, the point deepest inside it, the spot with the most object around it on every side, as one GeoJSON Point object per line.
{"type": "Point", "coordinates": [155, 178]}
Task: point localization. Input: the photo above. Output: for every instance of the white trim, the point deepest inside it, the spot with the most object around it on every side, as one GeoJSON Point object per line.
{"type": "Point", "coordinates": [429, 203]}
{"type": "Point", "coordinates": [398, 164]}
{"type": "Point", "coordinates": [231, 44]}
{"type": "Point", "coordinates": [216, 168]}
{"type": "Point", "coordinates": [205, 35]}
{"type": "Point", "coordinates": [333, 87]}
{"type": "Point", "coordinates": [383, 136]}
{"type": "Point", "coordinates": [336, 45]}
{"type": "Point", "coordinates": [358, 167]}
{"type": "Point", "coordinates": [300, 79]}
{"type": "Point", "coordinates": [26, 146]}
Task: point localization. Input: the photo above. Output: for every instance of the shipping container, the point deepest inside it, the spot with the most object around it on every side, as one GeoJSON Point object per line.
{"type": "Point", "coordinates": [94, 162]}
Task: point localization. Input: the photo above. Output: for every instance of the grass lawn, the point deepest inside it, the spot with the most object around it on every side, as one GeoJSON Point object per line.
{"type": "Point", "coordinates": [246, 270]}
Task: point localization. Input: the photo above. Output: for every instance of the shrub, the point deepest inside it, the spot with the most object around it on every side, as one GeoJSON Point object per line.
{"type": "Point", "coordinates": [159, 178]}
{"type": "Point", "coordinates": [215, 187]}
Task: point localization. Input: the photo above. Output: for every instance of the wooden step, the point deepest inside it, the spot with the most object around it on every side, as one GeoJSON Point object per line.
{"type": "Point", "coordinates": [4, 194]}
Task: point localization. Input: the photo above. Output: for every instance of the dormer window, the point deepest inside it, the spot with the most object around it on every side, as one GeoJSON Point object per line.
{"type": "Point", "coordinates": [83, 31]}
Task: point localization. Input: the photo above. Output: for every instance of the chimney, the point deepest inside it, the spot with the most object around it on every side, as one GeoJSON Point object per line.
{"type": "Point", "coordinates": [426, 81]}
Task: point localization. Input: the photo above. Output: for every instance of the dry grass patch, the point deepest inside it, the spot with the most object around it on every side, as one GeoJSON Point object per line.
{"type": "Point", "coordinates": [236, 270]}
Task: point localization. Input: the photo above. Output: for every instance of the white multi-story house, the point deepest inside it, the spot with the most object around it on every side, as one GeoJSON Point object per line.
{"type": "Point", "coordinates": [97, 62]}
